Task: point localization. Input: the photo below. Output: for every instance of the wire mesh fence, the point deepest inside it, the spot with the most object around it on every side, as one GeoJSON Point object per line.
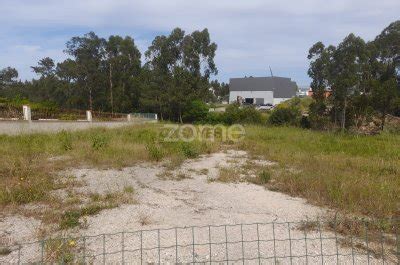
{"type": "Point", "coordinates": [257, 243]}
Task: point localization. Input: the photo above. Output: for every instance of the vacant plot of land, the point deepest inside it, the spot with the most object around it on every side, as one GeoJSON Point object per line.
{"type": "Point", "coordinates": [113, 180]}
{"type": "Point", "coordinates": [192, 194]}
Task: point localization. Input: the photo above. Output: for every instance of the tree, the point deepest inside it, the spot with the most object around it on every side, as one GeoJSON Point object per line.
{"type": "Point", "coordinates": [45, 67]}
{"type": "Point", "coordinates": [123, 65]}
{"type": "Point", "coordinates": [8, 76]}
{"type": "Point", "coordinates": [347, 73]}
{"type": "Point", "coordinates": [88, 52]}
{"type": "Point", "coordinates": [319, 71]}
{"type": "Point", "coordinates": [180, 66]}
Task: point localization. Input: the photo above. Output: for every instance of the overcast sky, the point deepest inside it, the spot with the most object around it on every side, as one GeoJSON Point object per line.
{"type": "Point", "coordinates": [251, 35]}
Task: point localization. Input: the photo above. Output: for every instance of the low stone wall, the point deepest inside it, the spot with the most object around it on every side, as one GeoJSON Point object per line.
{"type": "Point", "coordinates": [26, 127]}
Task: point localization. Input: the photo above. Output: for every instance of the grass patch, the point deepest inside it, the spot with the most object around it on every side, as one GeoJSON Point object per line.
{"type": "Point", "coordinates": [354, 174]}
{"type": "Point", "coordinates": [27, 166]}
{"type": "Point", "coordinates": [4, 251]}
{"type": "Point", "coordinates": [60, 251]}
{"type": "Point", "coordinates": [129, 189]}
{"type": "Point", "coordinates": [228, 175]}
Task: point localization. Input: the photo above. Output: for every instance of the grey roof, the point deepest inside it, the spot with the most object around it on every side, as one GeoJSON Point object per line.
{"type": "Point", "coordinates": [283, 87]}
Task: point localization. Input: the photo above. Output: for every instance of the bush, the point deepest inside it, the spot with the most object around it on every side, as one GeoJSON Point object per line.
{"type": "Point", "coordinates": [285, 116]}
{"type": "Point", "coordinates": [215, 118]}
{"type": "Point", "coordinates": [189, 150]}
{"type": "Point", "coordinates": [196, 112]}
{"type": "Point", "coordinates": [65, 140]}
{"type": "Point", "coordinates": [265, 176]}
{"type": "Point", "coordinates": [99, 141]}
{"type": "Point", "coordinates": [70, 219]}
{"type": "Point", "coordinates": [235, 114]}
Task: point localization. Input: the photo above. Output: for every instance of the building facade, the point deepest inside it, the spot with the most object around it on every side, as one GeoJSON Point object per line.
{"type": "Point", "coordinates": [261, 90]}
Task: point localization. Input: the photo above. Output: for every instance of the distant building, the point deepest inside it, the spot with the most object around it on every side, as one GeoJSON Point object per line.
{"type": "Point", "coordinates": [327, 93]}
{"type": "Point", "coordinates": [261, 90]}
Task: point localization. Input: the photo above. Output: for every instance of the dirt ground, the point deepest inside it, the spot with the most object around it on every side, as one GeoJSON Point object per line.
{"type": "Point", "coordinates": [189, 197]}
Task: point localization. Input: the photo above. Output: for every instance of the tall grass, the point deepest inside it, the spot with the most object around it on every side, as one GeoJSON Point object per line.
{"type": "Point", "coordinates": [355, 174]}
{"type": "Point", "coordinates": [28, 162]}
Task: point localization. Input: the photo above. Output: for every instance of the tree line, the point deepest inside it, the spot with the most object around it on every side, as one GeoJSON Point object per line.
{"type": "Point", "coordinates": [355, 81]}
{"type": "Point", "coordinates": [108, 75]}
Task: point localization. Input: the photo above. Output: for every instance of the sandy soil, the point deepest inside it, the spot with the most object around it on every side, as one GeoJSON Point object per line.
{"type": "Point", "coordinates": [193, 203]}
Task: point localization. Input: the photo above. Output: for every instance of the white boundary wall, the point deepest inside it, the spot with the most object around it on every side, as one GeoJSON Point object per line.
{"type": "Point", "coordinates": [268, 96]}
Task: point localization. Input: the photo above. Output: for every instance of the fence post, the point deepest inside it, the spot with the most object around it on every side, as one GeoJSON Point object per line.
{"type": "Point", "coordinates": [89, 116]}
{"type": "Point", "coordinates": [27, 113]}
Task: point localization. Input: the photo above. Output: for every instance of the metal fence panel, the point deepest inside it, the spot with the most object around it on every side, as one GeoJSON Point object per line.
{"type": "Point", "coordinates": [257, 243]}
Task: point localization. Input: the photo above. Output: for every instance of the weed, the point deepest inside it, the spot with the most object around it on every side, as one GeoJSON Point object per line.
{"type": "Point", "coordinates": [189, 150]}
{"type": "Point", "coordinates": [99, 141]}
{"type": "Point", "coordinates": [70, 219]}
{"type": "Point", "coordinates": [60, 250]}
{"type": "Point", "coordinates": [4, 251]}
{"type": "Point", "coordinates": [204, 171]}
{"type": "Point", "coordinates": [129, 189]}
{"type": "Point", "coordinates": [65, 140]}
{"type": "Point", "coordinates": [144, 219]}
{"type": "Point", "coordinates": [264, 176]}
{"type": "Point", "coordinates": [155, 152]}
{"type": "Point", "coordinates": [228, 175]}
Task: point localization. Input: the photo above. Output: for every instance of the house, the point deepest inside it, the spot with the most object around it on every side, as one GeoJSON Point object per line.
{"type": "Point", "coordinates": [261, 90]}
{"type": "Point", "coordinates": [327, 93]}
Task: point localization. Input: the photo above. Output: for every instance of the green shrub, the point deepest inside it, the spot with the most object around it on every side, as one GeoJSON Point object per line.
{"type": "Point", "coordinates": [236, 114]}
{"type": "Point", "coordinates": [285, 116]}
{"type": "Point", "coordinates": [65, 140]}
{"type": "Point", "coordinates": [264, 176]}
{"type": "Point", "coordinates": [196, 112]}
{"type": "Point", "coordinates": [70, 219]}
{"type": "Point", "coordinates": [99, 141]}
{"type": "Point", "coordinates": [189, 150]}
{"type": "Point", "coordinates": [215, 118]}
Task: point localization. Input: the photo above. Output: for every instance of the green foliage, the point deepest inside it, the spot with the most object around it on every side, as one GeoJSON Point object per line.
{"type": "Point", "coordinates": [155, 152]}
{"type": "Point", "coordinates": [196, 111]}
{"type": "Point", "coordinates": [283, 115]}
{"type": "Point", "coordinates": [65, 140]}
{"type": "Point", "coordinates": [99, 141]}
{"type": "Point", "coordinates": [60, 251]}
{"type": "Point", "coordinates": [264, 176]}
{"type": "Point", "coordinates": [361, 77]}
{"type": "Point", "coordinates": [70, 219]}
{"type": "Point", "coordinates": [189, 149]}
{"type": "Point", "coordinates": [360, 171]}
{"type": "Point", "coordinates": [235, 114]}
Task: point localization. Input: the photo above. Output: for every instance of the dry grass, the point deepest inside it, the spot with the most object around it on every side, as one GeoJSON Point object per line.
{"type": "Point", "coordinates": [353, 174]}
{"type": "Point", "coordinates": [229, 175]}
{"type": "Point", "coordinates": [169, 175]}
{"type": "Point", "coordinates": [28, 163]}
{"type": "Point", "coordinates": [144, 219]}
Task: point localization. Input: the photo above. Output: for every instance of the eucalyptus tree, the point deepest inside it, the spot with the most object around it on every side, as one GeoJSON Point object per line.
{"type": "Point", "coordinates": [180, 65]}
{"type": "Point", "coordinates": [123, 66]}
{"type": "Point", "coordinates": [88, 53]}
{"type": "Point", "coordinates": [8, 76]}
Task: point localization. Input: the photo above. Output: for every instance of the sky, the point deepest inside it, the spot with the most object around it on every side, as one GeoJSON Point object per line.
{"type": "Point", "coordinates": [252, 35]}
